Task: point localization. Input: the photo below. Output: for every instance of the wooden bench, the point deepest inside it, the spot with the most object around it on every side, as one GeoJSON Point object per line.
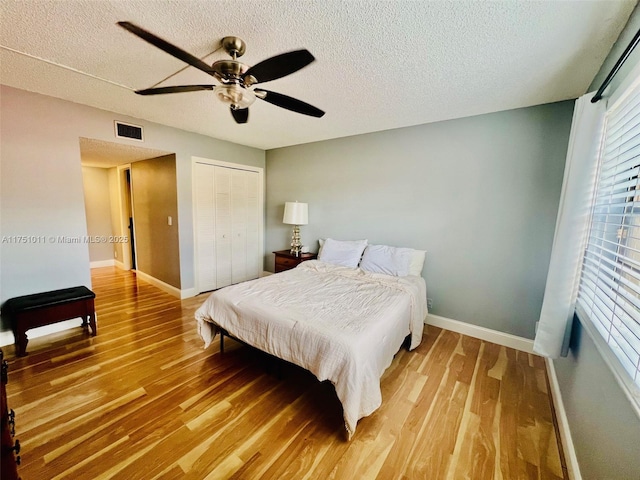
{"type": "Point", "coordinates": [39, 309]}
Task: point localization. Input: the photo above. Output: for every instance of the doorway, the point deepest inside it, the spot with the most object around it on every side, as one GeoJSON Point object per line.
{"type": "Point", "coordinates": [127, 218]}
{"type": "Point", "coordinates": [111, 214]}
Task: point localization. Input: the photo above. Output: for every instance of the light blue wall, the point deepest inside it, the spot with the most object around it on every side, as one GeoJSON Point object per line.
{"type": "Point", "coordinates": [604, 426]}
{"type": "Point", "coordinates": [480, 194]}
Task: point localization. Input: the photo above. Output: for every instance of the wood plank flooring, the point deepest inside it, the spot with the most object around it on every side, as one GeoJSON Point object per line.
{"type": "Point", "coordinates": [143, 400]}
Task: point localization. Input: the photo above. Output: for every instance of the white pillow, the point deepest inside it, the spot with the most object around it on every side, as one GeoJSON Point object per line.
{"type": "Point", "coordinates": [321, 243]}
{"type": "Point", "coordinates": [388, 260]}
{"type": "Point", "coordinates": [339, 252]}
{"type": "Point", "coordinates": [417, 262]}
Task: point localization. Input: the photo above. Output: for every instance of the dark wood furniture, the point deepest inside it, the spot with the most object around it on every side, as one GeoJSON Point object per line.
{"type": "Point", "coordinates": [285, 260]}
{"type": "Point", "coordinates": [37, 310]}
{"type": "Point", "coordinates": [8, 463]}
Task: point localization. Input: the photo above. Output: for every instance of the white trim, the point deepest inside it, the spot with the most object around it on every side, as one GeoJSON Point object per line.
{"type": "Point", "coordinates": [188, 293]}
{"type": "Point", "coordinates": [261, 196]}
{"type": "Point", "coordinates": [220, 163]}
{"type": "Point", "coordinates": [494, 336]}
{"type": "Point", "coordinates": [102, 263]}
{"type": "Point", "coordinates": [6, 337]}
{"type": "Point", "coordinates": [525, 345]}
{"type": "Point", "coordinates": [573, 468]}
{"type": "Point", "coordinates": [265, 274]}
{"type": "Point", "coordinates": [165, 287]}
{"type": "Point", "coordinates": [170, 289]}
{"type": "Point", "coordinates": [119, 265]}
{"type": "Point", "coordinates": [124, 219]}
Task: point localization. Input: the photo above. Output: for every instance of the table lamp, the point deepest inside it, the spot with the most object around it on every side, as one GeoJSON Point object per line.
{"type": "Point", "coordinates": [296, 214]}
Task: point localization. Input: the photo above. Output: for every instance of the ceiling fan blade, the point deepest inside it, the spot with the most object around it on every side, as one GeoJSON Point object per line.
{"type": "Point", "coordinates": [167, 47]}
{"type": "Point", "coordinates": [280, 66]}
{"type": "Point", "coordinates": [289, 103]}
{"type": "Point", "coordinates": [175, 89]}
{"type": "Point", "coordinates": [240, 115]}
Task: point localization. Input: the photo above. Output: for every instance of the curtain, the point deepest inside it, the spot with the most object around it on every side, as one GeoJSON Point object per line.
{"type": "Point", "coordinates": [572, 225]}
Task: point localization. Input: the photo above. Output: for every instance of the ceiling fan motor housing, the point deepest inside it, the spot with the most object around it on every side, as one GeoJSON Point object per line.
{"type": "Point", "coordinates": [229, 70]}
{"type": "Point", "coordinates": [232, 91]}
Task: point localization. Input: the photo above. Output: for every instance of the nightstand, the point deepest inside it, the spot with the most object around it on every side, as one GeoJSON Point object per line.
{"type": "Point", "coordinates": [286, 261]}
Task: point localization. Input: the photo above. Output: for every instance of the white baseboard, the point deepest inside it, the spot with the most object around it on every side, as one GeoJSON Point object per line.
{"type": "Point", "coordinates": [573, 469]}
{"type": "Point", "coordinates": [165, 287]}
{"type": "Point", "coordinates": [102, 263]}
{"type": "Point", "coordinates": [118, 264]}
{"type": "Point", "coordinates": [265, 274]}
{"type": "Point", "coordinates": [170, 289]}
{"type": "Point", "coordinates": [525, 345]}
{"type": "Point", "coordinates": [6, 338]}
{"type": "Point", "coordinates": [188, 293]}
{"type": "Point", "coordinates": [494, 336]}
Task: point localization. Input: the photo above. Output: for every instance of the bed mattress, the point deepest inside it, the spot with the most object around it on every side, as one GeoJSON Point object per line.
{"type": "Point", "coordinates": [342, 324]}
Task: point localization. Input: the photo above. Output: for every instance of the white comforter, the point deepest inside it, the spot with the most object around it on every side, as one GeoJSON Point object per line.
{"type": "Point", "coordinates": [342, 324]}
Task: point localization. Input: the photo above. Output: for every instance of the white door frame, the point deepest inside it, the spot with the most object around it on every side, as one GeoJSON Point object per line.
{"type": "Point", "coordinates": [261, 193]}
{"type": "Point", "coordinates": [124, 215]}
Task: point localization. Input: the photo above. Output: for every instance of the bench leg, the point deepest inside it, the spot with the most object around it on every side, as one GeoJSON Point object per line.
{"type": "Point", "coordinates": [90, 321]}
{"type": "Point", "coordinates": [21, 340]}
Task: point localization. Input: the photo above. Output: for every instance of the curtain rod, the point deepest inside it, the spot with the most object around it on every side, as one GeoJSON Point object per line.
{"type": "Point", "coordinates": [623, 58]}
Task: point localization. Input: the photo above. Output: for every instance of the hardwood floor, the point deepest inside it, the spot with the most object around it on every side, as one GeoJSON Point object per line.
{"type": "Point", "coordinates": [144, 400]}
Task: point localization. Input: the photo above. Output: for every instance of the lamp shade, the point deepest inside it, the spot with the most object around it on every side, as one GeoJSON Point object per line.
{"type": "Point", "coordinates": [296, 213]}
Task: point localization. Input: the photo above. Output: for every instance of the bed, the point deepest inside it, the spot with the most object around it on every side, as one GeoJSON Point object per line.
{"type": "Point", "coordinates": [342, 324]}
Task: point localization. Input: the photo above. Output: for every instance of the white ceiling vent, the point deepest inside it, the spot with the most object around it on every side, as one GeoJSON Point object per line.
{"type": "Point", "coordinates": [127, 130]}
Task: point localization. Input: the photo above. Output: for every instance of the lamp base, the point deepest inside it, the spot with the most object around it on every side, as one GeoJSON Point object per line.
{"type": "Point", "coordinates": [296, 245]}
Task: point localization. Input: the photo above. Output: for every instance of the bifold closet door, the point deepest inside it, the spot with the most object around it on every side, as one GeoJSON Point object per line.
{"type": "Point", "coordinates": [223, 226]}
{"type": "Point", "coordinates": [239, 226]}
{"type": "Point", "coordinates": [254, 212]}
{"type": "Point", "coordinates": [245, 248]}
{"type": "Point", "coordinates": [228, 217]}
{"type": "Point", "coordinates": [205, 226]}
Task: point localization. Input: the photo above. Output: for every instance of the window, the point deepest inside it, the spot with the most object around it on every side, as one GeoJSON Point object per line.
{"type": "Point", "coordinates": [609, 290]}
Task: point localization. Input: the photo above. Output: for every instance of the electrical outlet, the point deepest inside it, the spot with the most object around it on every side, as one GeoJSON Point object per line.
{"type": "Point", "coordinates": [115, 253]}
{"type": "Point", "coordinates": [429, 303]}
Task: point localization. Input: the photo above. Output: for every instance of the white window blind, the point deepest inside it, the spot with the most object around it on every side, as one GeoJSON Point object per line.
{"type": "Point", "coordinates": [609, 290]}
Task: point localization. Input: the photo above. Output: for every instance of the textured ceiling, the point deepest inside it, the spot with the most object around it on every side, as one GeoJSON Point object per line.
{"type": "Point", "coordinates": [380, 64]}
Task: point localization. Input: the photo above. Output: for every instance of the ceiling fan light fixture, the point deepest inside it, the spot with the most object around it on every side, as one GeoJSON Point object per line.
{"type": "Point", "coordinates": [236, 77]}
{"type": "Point", "coordinates": [234, 95]}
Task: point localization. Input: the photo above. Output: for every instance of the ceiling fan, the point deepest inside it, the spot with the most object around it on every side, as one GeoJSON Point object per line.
{"type": "Point", "coordinates": [236, 78]}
